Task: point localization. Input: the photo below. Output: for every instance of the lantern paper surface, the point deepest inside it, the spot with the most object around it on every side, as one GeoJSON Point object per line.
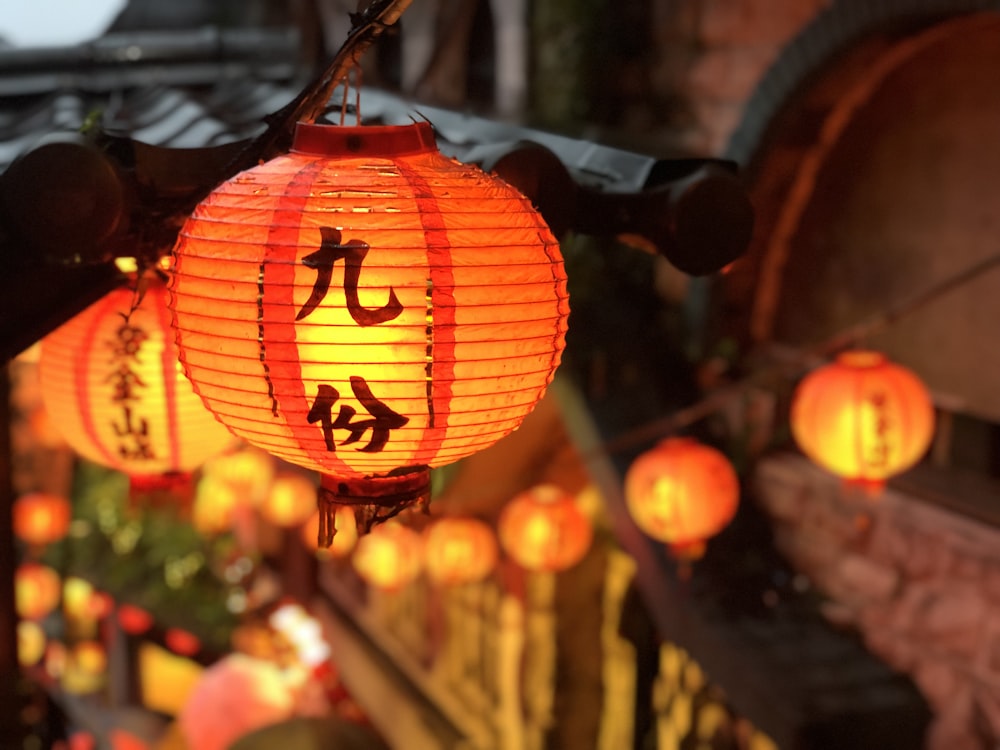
{"type": "Point", "coordinates": [862, 417]}
{"type": "Point", "coordinates": [543, 529]}
{"type": "Point", "coordinates": [116, 390]}
{"type": "Point", "coordinates": [682, 492]}
{"type": "Point", "coordinates": [366, 307]}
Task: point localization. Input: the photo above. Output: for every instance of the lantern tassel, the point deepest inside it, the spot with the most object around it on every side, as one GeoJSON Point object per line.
{"type": "Point", "coordinates": [373, 499]}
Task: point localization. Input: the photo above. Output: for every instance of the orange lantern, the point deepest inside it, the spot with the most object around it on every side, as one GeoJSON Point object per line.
{"type": "Point", "coordinates": [543, 529]}
{"type": "Point", "coordinates": [41, 518]}
{"type": "Point", "coordinates": [112, 381]}
{"type": "Point", "coordinates": [182, 642]}
{"type": "Point", "coordinates": [37, 589]}
{"type": "Point", "coordinates": [682, 492]}
{"type": "Point", "coordinates": [367, 308]}
{"type": "Point", "coordinates": [346, 536]}
{"type": "Point", "coordinates": [290, 501]}
{"type": "Point", "coordinates": [459, 550]}
{"type": "Point", "coordinates": [85, 669]}
{"type": "Point", "coordinates": [389, 557]}
{"type": "Point", "coordinates": [134, 620]}
{"type": "Point", "coordinates": [31, 643]}
{"type": "Point", "coordinates": [862, 418]}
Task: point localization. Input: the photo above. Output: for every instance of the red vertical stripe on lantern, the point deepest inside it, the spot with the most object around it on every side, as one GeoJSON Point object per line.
{"type": "Point", "coordinates": [168, 363]}
{"type": "Point", "coordinates": [280, 347]}
{"type": "Point", "coordinates": [442, 310]}
{"type": "Point", "coordinates": [80, 372]}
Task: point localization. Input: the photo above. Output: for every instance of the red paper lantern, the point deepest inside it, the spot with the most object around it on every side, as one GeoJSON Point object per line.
{"type": "Point", "coordinates": [543, 529]}
{"type": "Point", "coordinates": [134, 620]}
{"type": "Point", "coordinates": [862, 417]}
{"type": "Point", "coordinates": [290, 501]}
{"type": "Point", "coordinates": [37, 590]}
{"type": "Point", "coordinates": [41, 518]}
{"type": "Point", "coordinates": [181, 642]}
{"type": "Point", "coordinates": [459, 550]}
{"type": "Point", "coordinates": [389, 557]}
{"type": "Point", "coordinates": [368, 308]}
{"type": "Point", "coordinates": [115, 388]}
{"type": "Point", "coordinates": [682, 492]}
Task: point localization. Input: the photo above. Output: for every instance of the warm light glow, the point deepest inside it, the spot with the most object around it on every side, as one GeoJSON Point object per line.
{"type": "Point", "coordinates": [459, 550]}
{"type": "Point", "coordinates": [165, 680]}
{"type": "Point", "coordinates": [214, 508]}
{"type": "Point", "coordinates": [31, 643]}
{"type": "Point", "coordinates": [682, 492]}
{"type": "Point", "coordinates": [247, 473]}
{"type": "Point", "coordinates": [134, 620]}
{"type": "Point", "coordinates": [542, 529]}
{"type": "Point", "coordinates": [344, 540]}
{"type": "Point", "coordinates": [291, 500]}
{"type": "Point", "coordinates": [862, 417]}
{"type": "Point", "coordinates": [389, 557]}
{"type": "Point", "coordinates": [85, 670]}
{"type": "Point", "coordinates": [77, 597]}
{"type": "Point", "coordinates": [116, 391]}
{"type": "Point", "coordinates": [181, 642]}
{"type": "Point", "coordinates": [41, 518]}
{"type": "Point", "coordinates": [364, 306]}
{"type": "Point", "coordinates": [36, 590]}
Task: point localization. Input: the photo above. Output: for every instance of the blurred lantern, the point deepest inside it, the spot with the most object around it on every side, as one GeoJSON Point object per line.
{"type": "Point", "coordinates": [215, 504]}
{"type": "Point", "coordinates": [290, 501]}
{"type": "Point", "coordinates": [31, 643]}
{"type": "Point", "coordinates": [134, 620]}
{"type": "Point", "coordinates": [78, 596]}
{"type": "Point", "coordinates": [37, 589]}
{"type": "Point", "coordinates": [367, 308]}
{"type": "Point", "coordinates": [459, 550]}
{"type": "Point", "coordinates": [389, 557]}
{"type": "Point", "coordinates": [862, 418]}
{"type": "Point", "coordinates": [346, 527]}
{"type": "Point", "coordinates": [85, 670]}
{"type": "Point", "coordinates": [682, 492]}
{"type": "Point", "coordinates": [101, 604]}
{"type": "Point", "coordinates": [247, 473]}
{"type": "Point", "coordinates": [543, 529]}
{"type": "Point", "coordinates": [41, 518]}
{"type": "Point", "coordinates": [111, 380]}
{"type": "Point", "coordinates": [181, 642]}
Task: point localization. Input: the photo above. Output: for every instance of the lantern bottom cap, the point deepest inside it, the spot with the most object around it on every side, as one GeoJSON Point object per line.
{"type": "Point", "coordinates": [374, 499]}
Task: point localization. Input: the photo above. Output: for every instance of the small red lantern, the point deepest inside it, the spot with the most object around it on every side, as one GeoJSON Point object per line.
{"type": "Point", "coordinates": [389, 557]}
{"type": "Point", "coordinates": [682, 492]}
{"type": "Point", "coordinates": [182, 642]}
{"type": "Point", "coordinates": [41, 518]}
{"type": "Point", "coordinates": [459, 550]}
{"type": "Point", "coordinates": [37, 589]}
{"type": "Point", "coordinates": [134, 620]}
{"type": "Point", "coordinates": [290, 501]}
{"type": "Point", "coordinates": [367, 308]}
{"type": "Point", "coordinates": [862, 418]}
{"type": "Point", "coordinates": [543, 529]}
{"type": "Point", "coordinates": [112, 381]}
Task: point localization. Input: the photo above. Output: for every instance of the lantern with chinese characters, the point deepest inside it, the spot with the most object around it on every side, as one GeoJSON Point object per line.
{"type": "Point", "coordinates": [112, 382]}
{"type": "Point", "coordinates": [682, 492]}
{"type": "Point", "coordinates": [290, 501]}
{"type": "Point", "coordinates": [41, 518]}
{"type": "Point", "coordinates": [543, 529]}
{"type": "Point", "coordinates": [368, 308]}
{"type": "Point", "coordinates": [389, 557]}
{"type": "Point", "coordinates": [862, 418]}
{"type": "Point", "coordinates": [37, 589]}
{"type": "Point", "coordinates": [459, 550]}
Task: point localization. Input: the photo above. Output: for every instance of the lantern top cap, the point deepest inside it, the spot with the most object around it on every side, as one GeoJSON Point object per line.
{"type": "Point", "coordinates": [861, 358]}
{"type": "Point", "coordinates": [363, 140]}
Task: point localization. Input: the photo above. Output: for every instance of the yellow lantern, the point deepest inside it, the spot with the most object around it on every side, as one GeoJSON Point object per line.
{"type": "Point", "coordinates": [290, 501]}
{"type": "Point", "coordinates": [459, 550]}
{"type": "Point", "coordinates": [37, 589]}
{"type": "Point", "coordinates": [389, 557]}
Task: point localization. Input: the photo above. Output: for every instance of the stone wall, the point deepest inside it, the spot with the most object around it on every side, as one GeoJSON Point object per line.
{"type": "Point", "coordinates": [921, 584]}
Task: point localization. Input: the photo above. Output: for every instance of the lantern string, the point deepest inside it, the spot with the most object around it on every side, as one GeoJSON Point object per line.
{"type": "Point", "coordinates": [791, 363]}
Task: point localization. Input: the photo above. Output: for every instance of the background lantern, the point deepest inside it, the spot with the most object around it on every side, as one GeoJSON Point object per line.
{"type": "Point", "coordinates": [389, 557]}
{"type": "Point", "coordinates": [134, 620]}
{"type": "Point", "coordinates": [290, 501]}
{"type": "Point", "coordinates": [543, 529]}
{"type": "Point", "coordinates": [682, 492]}
{"type": "Point", "coordinates": [343, 541]}
{"type": "Point", "coordinates": [41, 518]}
{"type": "Point", "coordinates": [459, 550]}
{"type": "Point", "coordinates": [862, 417]}
{"type": "Point", "coordinates": [115, 388]}
{"type": "Point", "coordinates": [37, 589]}
{"type": "Point", "coordinates": [367, 308]}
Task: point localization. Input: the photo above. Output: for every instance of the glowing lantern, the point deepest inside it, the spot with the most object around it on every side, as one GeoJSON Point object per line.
{"type": "Point", "coordinates": [343, 541]}
{"type": "Point", "coordinates": [247, 473]}
{"type": "Point", "coordinates": [459, 550]}
{"type": "Point", "coordinates": [543, 529]}
{"type": "Point", "coordinates": [78, 595]}
{"type": "Point", "coordinates": [389, 557]}
{"type": "Point", "coordinates": [290, 502]}
{"type": "Point", "coordinates": [134, 620]}
{"type": "Point", "coordinates": [41, 518]}
{"type": "Point", "coordinates": [368, 308]}
{"type": "Point", "coordinates": [85, 670]}
{"type": "Point", "coordinates": [682, 492]}
{"type": "Point", "coordinates": [181, 642]}
{"type": "Point", "coordinates": [114, 386]}
{"type": "Point", "coordinates": [37, 589]}
{"type": "Point", "coordinates": [31, 642]}
{"type": "Point", "coordinates": [862, 418]}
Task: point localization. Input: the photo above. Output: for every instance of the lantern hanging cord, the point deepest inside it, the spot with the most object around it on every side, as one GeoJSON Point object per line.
{"type": "Point", "coordinates": [797, 361]}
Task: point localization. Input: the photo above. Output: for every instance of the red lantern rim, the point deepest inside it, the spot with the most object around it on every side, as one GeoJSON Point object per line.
{"type": "Point", "coordinates": [363, 140]}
